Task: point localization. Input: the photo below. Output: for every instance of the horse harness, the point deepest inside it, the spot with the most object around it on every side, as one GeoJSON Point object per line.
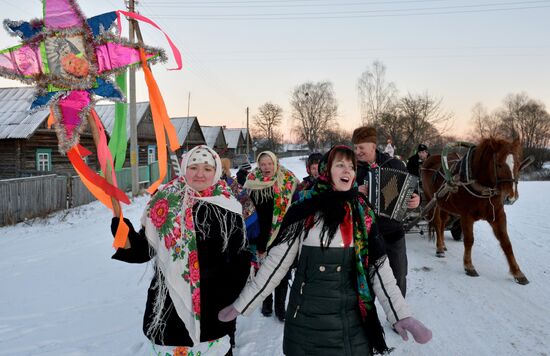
{"type": "Point", "coordinates": [460, 174]}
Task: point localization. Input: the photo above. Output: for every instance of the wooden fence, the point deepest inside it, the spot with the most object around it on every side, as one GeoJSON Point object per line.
{"type": "Point", "coordinates": [31, 197]}
{"type": "Point", "coordinates": [25, 198]}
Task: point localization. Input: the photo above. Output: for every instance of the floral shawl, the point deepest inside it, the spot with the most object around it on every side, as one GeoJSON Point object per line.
{"type": "Point", "coordinates": [282, 185]}
{"type": "Point", "coordinates": [171, 231]}
{"type": "Point", "coordinates": [340, 210]}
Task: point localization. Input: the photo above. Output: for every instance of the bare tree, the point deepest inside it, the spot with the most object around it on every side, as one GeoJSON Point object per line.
{"type": "Point", "coordinates": [416, 119]}
{"type": "Point", "coordinates": [314, 109]}
{"type": "Point", "coordinates": [528, 119]}
{"type": "Point", "coordinates": [484, 124]}
{"type": "Point", "coordinates": [376, 95]}
{"type": "Point", "coordinates": [335, 136]}
{"type": "Point", "coordinates": [423, 118]}
{"type": "Point", "coordinates": [266, 122]}
{"type": "Point", "coordinates": [390, 125]}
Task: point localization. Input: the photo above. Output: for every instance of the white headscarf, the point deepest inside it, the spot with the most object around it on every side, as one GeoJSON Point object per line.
{"type": "Point", "coordinates": [175, 201]}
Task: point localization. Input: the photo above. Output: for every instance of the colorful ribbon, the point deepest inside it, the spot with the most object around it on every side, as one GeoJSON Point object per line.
{"type": "Point", "coordinates": [118, 141]}
{"type": "Point", "coordinates": [132, 15]}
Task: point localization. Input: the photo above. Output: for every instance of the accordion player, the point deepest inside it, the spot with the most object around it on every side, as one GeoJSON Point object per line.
{"type": "Point", "coordinates": [389, 191]}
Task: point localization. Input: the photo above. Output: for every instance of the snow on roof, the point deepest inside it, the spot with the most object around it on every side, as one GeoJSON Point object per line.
{"type": "Point", "coordinates": [232, 137]}
{"type": "Point", "coordinates": [16, 121]}
{"type": "Point", "coordinates": [183, 126]}
{"type": "Point", "coordinates": [211, 134]}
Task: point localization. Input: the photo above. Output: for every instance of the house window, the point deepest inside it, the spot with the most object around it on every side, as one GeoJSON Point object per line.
{"type": "Point", "coordinates": [151, 154]}
{"type": "Point", "coordinates": [44, 159]}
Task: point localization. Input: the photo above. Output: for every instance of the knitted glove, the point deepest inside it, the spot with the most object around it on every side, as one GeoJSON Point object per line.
{"type": "Point", "coordinates": [228, 313]}
{"type": "Point", "coordinates": [420, 332]}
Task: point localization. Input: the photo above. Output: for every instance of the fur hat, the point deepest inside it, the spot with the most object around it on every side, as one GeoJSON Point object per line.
{"type": "Point", "coordinates": [364, 134]}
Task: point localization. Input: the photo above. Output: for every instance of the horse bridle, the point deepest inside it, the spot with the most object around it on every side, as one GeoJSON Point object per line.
{"type": "Point", "coordinates": [505, 180]}
{"type": "Point", "coordinates": [524, 164]}
{"type": "Point", "coordinates": [489, 192]}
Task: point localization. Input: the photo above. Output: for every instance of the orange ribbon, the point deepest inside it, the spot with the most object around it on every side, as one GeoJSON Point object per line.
{"type": "Point", "coordinates": [161, 122]}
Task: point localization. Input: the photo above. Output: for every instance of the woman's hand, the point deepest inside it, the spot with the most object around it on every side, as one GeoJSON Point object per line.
{"type": "Point", "coordinates": [418, 330]}
{"type": "Point", "coordinates": [228, 313]}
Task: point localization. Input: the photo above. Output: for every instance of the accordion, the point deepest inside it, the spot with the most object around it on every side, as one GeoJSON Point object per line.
{"type": "Point", "coordinates": [389, 191]}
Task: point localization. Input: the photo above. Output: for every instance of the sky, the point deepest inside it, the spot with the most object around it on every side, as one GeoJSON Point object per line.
{"type": "Point", "coordinates": [62, 294]}
{"type": "Point", "coordinates": [243, 53]}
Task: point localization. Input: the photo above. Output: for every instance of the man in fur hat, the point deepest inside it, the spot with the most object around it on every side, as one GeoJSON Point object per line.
{"type": "Point", "coordinates": [368, 156]}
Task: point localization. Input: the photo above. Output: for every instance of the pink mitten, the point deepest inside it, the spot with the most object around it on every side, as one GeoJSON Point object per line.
{"type": "Point", "coordinates": [420, 332]}
{"type": "Point", "coordinates": [228, 313]}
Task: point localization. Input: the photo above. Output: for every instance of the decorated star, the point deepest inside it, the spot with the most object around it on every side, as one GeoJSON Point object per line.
{"type": "Point", "coordinates": [69, 58]}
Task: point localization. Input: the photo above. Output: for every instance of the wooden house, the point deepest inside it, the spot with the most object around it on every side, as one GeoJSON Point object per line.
{"type": "Point", "coordinates": [215, 138]}
{"type": "Point", "coordinates": [235, 141]}
{"type": "Point", "coordinates": [189, 133]}
{"type": "Point", "coordinates": [29, 148]}
{"type": "Point", "coordinates": [147, 143]}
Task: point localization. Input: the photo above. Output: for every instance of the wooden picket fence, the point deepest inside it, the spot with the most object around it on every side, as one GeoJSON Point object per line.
{"type": "Point", "coordinates": [31, 197]}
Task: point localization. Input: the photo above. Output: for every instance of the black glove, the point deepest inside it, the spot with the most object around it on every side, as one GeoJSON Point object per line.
{"type": "Point", "coordinates": [139, 251]}
{"type": "Point", "coordinates": [114, 226]}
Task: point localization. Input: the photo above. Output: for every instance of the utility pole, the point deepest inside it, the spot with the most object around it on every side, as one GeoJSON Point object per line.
{"type": "Point", "coordinates": [134, 154]}
{"type": "Point", "coordinates": [188, 103]}
{"type": "Point", "coordinates": [247, 135]}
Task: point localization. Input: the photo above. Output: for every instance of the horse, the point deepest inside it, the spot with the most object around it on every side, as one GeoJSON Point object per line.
{"type": "Point", "coordinates": [493, 170]}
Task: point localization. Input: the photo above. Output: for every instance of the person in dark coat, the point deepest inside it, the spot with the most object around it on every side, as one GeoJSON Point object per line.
{"type": "Point", "coordinates": [193, 230]}
{"type": "Point", "coordinates": [341, 269]}
{"type": "Point", "coordinates": [415, 161]}
{"type": "Point", "coordinates": [271, 188]}
{"type": "Point", "coordinates": [364, 141]}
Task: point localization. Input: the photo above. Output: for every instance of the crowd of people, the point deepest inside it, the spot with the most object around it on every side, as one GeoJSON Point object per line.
{"type": "Point", "coordinates": [222, 246]}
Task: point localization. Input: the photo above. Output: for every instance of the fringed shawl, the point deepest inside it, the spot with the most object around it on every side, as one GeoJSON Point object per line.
{"type": "Point", "coordinates": [280, 187]}
{"type": "Point", "coordinates": [333, 209]}
{"type": "Point", "coordinates": [171, 228]}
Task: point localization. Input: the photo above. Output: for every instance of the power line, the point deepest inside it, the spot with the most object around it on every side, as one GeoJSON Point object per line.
{"type": "Point", "coordinates": [282, 3]}
{"type": "Point", "coordinates": [293, 4]}
{"type": "Point", "coordinates": [441, 10]}
{"type": "Point", "coordinates": [271, 51]}
{"type": "Point", "coordinates": [199, 70]}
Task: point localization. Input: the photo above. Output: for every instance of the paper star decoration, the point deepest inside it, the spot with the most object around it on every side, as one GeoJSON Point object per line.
{"type": "Point", "coordinates": [69, 59]}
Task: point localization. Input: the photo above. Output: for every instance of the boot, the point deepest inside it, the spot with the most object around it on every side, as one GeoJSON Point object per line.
{"type": "Point", "coordinates": [267, 306]}
{"type": "Point", "coordinates": [280, 299]}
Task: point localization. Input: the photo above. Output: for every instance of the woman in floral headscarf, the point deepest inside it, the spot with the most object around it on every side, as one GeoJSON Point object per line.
{"type": "Point", "coordinates": [341, 268]}
{"type": "Point", "coordinates": [271, 187]}
{"type": "Point", "coordinates": [193, 230]}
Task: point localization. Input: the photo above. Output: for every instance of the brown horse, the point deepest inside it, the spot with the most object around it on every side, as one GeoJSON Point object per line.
{"type": "Point", "coordinates": [494, 165]}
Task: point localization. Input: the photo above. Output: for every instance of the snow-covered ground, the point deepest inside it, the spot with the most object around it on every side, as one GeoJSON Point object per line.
{"type": "Point", "coordinates": [61, 294]}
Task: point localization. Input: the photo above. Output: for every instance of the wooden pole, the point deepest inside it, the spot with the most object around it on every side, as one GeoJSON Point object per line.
{"type": "Point", "coordinates": [247, 136]}
{"type": "Point", "coordinates": [134, 153]}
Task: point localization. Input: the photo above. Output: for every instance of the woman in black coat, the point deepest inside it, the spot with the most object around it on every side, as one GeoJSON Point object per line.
{"type": "Point", "coordinates": [194, 232]}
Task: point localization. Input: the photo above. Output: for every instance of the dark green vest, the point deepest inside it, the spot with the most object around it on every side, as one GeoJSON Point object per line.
{"type": "Point", "coordinates": [323, 316]}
